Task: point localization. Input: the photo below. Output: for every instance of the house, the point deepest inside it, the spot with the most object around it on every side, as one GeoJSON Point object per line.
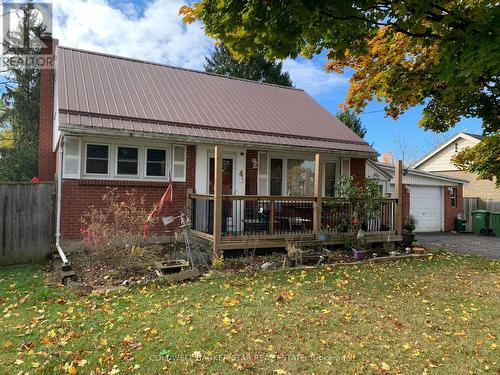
{"type": "Point", "coordinates": [250, 161]}
{"type": "Point", "coordinates": [439, 161]}
{"type": "Point", "coordinates": [433, 200]}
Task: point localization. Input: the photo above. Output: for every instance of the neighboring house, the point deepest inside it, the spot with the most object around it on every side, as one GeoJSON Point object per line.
{"type": "Point", "coordinates": [433, 200]}
{"type": "Point", "coordinates": [249, 159]}
{"type": "Point", "coordinates": [439, 161]}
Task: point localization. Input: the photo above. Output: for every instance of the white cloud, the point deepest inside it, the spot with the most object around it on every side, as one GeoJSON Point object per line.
{"type": "Point", "coordinates": [156, 34]}
{"type": "Point", "coordinates": [311, 77]}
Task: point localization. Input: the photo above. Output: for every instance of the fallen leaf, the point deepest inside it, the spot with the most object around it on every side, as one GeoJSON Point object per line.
{"type": "Point", "coordinates": [7, 345]}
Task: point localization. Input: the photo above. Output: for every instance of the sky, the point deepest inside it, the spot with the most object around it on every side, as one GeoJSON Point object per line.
{"type": "Point", "coordinates": [152, 30]}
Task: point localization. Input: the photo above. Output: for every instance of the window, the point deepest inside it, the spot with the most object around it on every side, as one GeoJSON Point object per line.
{"type": "Point", "coordinates": [276, 177]}
{"type": "Point", "coordinates": [262, 174]}
{"type": "Point", "coordinates": [97, 159]}
{"type": "Point", "coordinates": [330, 169]}
{"type": "Point", "coordinates": [179, 163]}
{"type": "Point", "coordinates": [127, 161]}
{"type": "Point", "coordinates": [300, 177]}
{"type": "Point", "coordinates": [156, 161]}
{"type": "Point", "coordinates": [453, 197]}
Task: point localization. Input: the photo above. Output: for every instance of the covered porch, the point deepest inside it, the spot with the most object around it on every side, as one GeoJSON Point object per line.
{"type": "Point", "coordinates": [231, 222]}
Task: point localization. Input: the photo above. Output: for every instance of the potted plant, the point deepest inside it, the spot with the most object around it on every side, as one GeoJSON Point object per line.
{"type": "Point", "coordinates": [325, 235]}
{"type": "Point", "coordinates": [359, 246]}
{"type": "Point", "coordinates": [408, 235]}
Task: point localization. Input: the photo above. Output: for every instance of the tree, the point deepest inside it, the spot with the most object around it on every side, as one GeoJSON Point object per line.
{"type": "Point", "coordinates": [352, 120]}
{"type": "Point", "coordinates": [442, 54]}
{"type": "Point", "coordinates": [483, 159]}
{"type": "Point", "coordinates": [19, 105]}
{"type": "Point", "coordinates": [255, 68]}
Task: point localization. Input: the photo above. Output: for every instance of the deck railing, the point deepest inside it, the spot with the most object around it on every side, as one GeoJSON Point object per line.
{"type": "Point", "coordinates": [338, 215]}
{"type": "Point", "coordinates": [202, 213]}
{"type": "Point", "coordinates": [279, 216]}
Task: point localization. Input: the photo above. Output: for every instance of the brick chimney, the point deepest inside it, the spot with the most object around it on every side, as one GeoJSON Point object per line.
{"type": "Point", "coordinates": [46, 155]}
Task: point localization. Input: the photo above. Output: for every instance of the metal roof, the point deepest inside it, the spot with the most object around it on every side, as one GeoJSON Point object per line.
{"type": "Point", "coordinates": [103, 91]}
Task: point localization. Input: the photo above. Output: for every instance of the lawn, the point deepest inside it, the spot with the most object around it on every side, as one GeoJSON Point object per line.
{"type": "Point", "coordinates": [436, 316]}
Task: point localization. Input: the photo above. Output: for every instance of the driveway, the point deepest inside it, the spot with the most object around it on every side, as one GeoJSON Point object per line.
{"type": "Point", "coordinates": [466, 243]}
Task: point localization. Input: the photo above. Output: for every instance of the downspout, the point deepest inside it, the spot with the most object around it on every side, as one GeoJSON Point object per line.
{"type": "Point", "coordinates": [58, 202]}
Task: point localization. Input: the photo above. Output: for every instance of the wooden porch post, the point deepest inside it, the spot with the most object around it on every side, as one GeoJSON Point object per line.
{"type": "Point", "coordinates": [217, 200]}
{"type": "Point", "coordinates": [318, 184]}
{"type": "Point", "coordinates": [398, 191]}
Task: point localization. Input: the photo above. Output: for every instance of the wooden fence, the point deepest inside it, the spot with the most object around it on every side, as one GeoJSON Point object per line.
{"type": "Point", "coordinates": [472, 204]}
{"type": "Point", "coordinates": [25, 222]}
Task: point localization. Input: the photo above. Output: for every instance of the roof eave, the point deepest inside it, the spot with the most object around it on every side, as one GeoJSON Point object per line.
{"type": "Point", "coordinates": [70, 129]}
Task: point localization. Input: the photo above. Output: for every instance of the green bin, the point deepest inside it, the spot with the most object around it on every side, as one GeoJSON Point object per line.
{"type": "Point", "coordinates": [480, 221]}
{"type": "Point", "coordinates": [460, 225]}
{"type": "Point", "coordinates": [495, 223]}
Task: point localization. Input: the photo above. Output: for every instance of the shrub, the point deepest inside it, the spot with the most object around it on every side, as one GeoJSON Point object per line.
{"type": "Point", "coordinates": [118, 223]}
{"type": "Point", "coordinates": [409, 225]}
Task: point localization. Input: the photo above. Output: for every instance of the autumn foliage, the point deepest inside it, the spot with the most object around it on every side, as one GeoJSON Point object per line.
{"type": "Point", "coordinates": [440, 54]}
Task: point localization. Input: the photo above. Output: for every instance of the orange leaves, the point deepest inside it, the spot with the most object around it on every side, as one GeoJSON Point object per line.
{"type": "Point", "coordinates": [7, 344]}
{"type": "Point", "coordinates": [190, 14]}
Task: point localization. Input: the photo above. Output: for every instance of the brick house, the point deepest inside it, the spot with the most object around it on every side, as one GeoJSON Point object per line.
{"type": "Point", "coordinates": [247, 159]}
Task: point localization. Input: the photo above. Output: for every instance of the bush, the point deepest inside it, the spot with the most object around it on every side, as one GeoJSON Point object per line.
{"type": "Point", "coordinates": [119, 223]}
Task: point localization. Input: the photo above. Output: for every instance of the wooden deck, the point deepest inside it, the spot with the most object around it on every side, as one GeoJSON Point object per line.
{"type": "Point", "coordinates": [230, 222]}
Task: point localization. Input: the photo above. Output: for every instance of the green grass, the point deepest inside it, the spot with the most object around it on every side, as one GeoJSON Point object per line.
{"type": "Point", "coordinates": [437, 316]}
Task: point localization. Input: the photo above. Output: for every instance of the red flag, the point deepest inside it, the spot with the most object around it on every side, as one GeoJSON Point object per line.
{"type": "Point", "coordinates": [167, 197]}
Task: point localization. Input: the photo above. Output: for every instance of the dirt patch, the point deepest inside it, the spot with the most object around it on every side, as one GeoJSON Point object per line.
{"type": "Point", "coordinates": [97, 269]}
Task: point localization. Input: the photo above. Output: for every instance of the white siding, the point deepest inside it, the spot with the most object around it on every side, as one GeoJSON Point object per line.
{"type": "Point", "coordinates": [374, 174]}
{"type": "Point", "coordinates": [442, 160]}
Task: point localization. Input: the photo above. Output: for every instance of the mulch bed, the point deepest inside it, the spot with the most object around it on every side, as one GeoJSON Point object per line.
{"type": "Point", "coordinates": [98, 269]}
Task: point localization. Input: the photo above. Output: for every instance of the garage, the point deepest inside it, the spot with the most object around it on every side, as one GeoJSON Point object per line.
{"type": "Point", "coordinates": [426, 207]}
{"type": "Point", "coordinates": [433, 200]}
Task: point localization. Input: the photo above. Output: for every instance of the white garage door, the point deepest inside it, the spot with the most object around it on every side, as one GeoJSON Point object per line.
{"type": "Point", "coordinates": [426, 206]}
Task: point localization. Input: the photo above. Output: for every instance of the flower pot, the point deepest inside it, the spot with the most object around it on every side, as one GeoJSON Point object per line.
{"type": "Point", "coordinates": [359, 253]}
{"type": "Point", "coordinates": [408, 239]}
{"type": "Point", "coordinates": [325, 237]}
{"type": "Point", "coordinates": [289, 262]}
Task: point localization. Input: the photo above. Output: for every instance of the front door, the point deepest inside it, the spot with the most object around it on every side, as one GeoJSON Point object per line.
{"type": "Point", "coordinates": [227, 189]}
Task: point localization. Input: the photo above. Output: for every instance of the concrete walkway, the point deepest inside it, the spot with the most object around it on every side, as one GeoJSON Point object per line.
{"type": "Point", "coordinates": [467, 243]}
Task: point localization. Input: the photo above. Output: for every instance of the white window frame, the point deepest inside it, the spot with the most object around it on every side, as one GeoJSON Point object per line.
{"type": "Point", "coordinates": [323, 177]}
{"type": "Point", "coordinates": [167, 162]}
{"type": "Point", "coordinates": [73, 157]}
{"type": "Point", "coordinates": [109, 159]}
{"type": "Point", "coordinates": [283, 174]}
{"type": "Point", "coordinates": [453, 197]}
{"type": "Point", "coordinates": [183, 163]}
{"type": "Point", "coordinates": [138, 161]}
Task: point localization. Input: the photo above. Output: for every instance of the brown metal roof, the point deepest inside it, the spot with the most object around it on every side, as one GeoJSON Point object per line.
{"type": "Point", "coordinates": [104, 91]}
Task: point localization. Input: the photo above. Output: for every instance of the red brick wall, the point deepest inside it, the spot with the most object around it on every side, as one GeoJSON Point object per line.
{"type": "Point", "coordinates": [358, 170]}
{"type": "Point", "coordinates": [46, 157]}
{"type": "Point", "coordinates": [450, 213]}
{"type": "Point", "coordinates": [406, 204]}
{"type": "Point", "coordinates": [79, 195]}
{"type": "Point", "coordinates": [251, 175]}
